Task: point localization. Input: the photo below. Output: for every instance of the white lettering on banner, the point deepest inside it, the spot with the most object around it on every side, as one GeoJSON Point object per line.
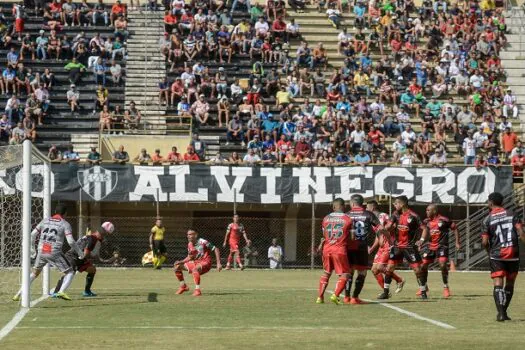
{"type": "Point", "coordinates": [36, 170]}
{"type": "Point", "coordinates": [406, 187]}
{"type": "Point", "coordinates": [318, 185]}
{"type": "Point", "coordinates": [180, 194]}
{"type": "Point", "coordinates": [442, 189]}
{"type": "Point", "coordinates": [462, 189]}
{"type": "Point", "coordinates": [227, 193]}
{"type": "Point", "coordinates": [270, 174]}
{"type": "Point", "coordinates": [148, 183]}
{"type": "Point", "coordinates": [3, 186]}
{"type": "Point", "coordinates": [356, 183]}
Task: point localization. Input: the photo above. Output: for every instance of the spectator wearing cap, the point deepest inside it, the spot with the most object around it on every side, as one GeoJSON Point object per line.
{"type": "Point", "coordinates": [157, 158]}
{"type": "Point", "coordinates": [200, 110]}
{"type": "Point", "coordinates": [93, 157]}
{"type": "Point", "coordinates": [253, 127]}
{"type": "Point", "coordinates": [342, 157]}
{"type": "Point", "coordinates": [174, 157]}
{"type": "Point", "coordinates": [256, 144]}
{"type": "Point", "coordinates": [70, 155]}
{"type": "Point", "coordinates": [73, 98]}
{"type": "Point", "coordinates": [143, 158]}
{"type": "Point", "coordinates": [190, 156]}
{"type": "Point", "coordinates": [509, 103]}
{"type": "Point", "coordinates": [120, 156]}
{"type": "Point", "coordinates": [235, 131]}
{"type": "Point", "coordinates": [438, 159]}
{"type": "Point", "coordinates": [270, 127]}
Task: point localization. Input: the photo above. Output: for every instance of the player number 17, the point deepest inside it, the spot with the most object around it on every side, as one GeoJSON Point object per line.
{"type": "Point", "coordinates": [502, 231]}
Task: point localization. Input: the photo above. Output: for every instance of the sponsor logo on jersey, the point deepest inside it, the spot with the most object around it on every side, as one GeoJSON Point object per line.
{"type": "Point", "coordinates": [97, 182]}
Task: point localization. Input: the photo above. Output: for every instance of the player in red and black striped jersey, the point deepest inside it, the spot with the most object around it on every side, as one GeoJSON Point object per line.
{"type": "Point", "coordinates": [364, 224]}
{"type": "Point", "coordinates": [500, 237]}
{"type": "Point", "coordinates": [437, 232]}
{"type": "Point", "coordinates": [406, 226]}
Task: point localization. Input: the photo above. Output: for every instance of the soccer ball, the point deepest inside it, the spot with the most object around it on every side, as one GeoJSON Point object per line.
{"type": "Point", "coordinates": [108, 227]}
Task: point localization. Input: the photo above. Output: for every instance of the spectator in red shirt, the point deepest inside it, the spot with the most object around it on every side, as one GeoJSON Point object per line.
{"type": "Point", "coordinates": [279, 28]}
{"type": "Point", "coordinates": [117, 10]}
{"type": "Point", "coordinates": [508, 141]}
{"type": "Point", "coordinates": [302, 148]}
{"type": "Point", "coordinates": [517, 163]}
{"type": "Point", "coordinates": [174, 157]}
{"type": "Point", "coordinates": [377, 138]}
{"type": "Point", "coordinates": [480, 162]}
{"type": "Point", "coordinates": [190, 156]}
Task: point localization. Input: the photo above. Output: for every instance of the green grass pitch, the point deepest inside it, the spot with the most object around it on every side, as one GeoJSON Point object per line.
{"type": "Point", "coordinates": [260, 309]}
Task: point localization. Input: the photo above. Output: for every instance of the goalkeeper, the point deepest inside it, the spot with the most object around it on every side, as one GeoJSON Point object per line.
{"type": "Point", "coordinates": [87, 244]}
{"type": "Point", "coordinates": [156, 243]}
{"type": "Point", "coordinates": [50, 234]}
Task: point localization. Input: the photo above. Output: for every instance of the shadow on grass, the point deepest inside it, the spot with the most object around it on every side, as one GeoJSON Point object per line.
{"type": "Point", "coordinates": [152, 298]}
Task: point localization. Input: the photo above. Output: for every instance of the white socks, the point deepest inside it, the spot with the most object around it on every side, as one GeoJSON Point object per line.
{"type": "Point", "coordinates": [68, 278]}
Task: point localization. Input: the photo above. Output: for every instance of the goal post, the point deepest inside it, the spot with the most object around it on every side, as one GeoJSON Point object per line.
{"type": "Point", "coordinates": [25, 199]}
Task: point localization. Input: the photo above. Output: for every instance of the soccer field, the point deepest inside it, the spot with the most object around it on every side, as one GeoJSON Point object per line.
{"type": "Point", "coordinates": [260, 309]}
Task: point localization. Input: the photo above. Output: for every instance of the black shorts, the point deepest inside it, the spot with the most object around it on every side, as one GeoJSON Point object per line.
{"type": "Point", "coordinates": [158, 247]}
{"type": "Point", "coordinates": [429, 255]}
{"type": "Point", "coordinates": [358, 259]}
{"type": "Point", "coordinates": [504, 268]}
{"type": "Point", "coordinates": [411, 255]}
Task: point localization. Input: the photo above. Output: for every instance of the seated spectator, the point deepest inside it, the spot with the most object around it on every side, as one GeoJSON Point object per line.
{"type": "Point", "coordinates": [518, 163]}
{"type": "Point", "coordinates": [117, 10]}
{"type": "Point", "coordinates": [283, 98]}
{"type": "Point", "coordinates": [217, 159]}
{"type": "Point", "coordinates": [116, 73]}
{"type": "Point", "coordinates": [303, 55]}
{"type": "Point", "coordinates": [100, 11]}
{"type": "Point", "coordinates": [235, 159]}
{"type": "Point", "coordinates": [342, 158]}
{"type": "Point", "coordinates": [190, 156]}
{"type": "Point", "coordinates": [75, 70]}
{"type": "Point", "coordinates": [251, 157]}
{"type": "Point", "coordinates": [509, 104]}
{"type": "Point", "coordinates": [120, 156]}
{"type": "Point", "coordinates": [235, 131]}
{"type": "Point", "coordinates": [105, 120]}
{"type": "Point", "coordinates": [29, 128]}
{"type": "Point", "coordinates": [71, 156]}
{"type": "Point", "coordinates": [5, 129]}
{"type": "Point", "coordinates": [200, 110]}
{"type": "Point", "coordinates": [93, 157]}
{"type": "Point", "coordinates": [362, 158]}
{"type": "Point", "coordinates": [33, 109]}
{"type": "Point", "coordinates": [244, 3]}
{"type": "Point", "coordinates": [143, 158]}
{"type": "Point", "coordinates": [164, 92]}
{"type": "Point", "coordinates": [439, 158]}
{"type": "Point", "coordinates": [73, 98]}
{"type": "Point", "coordinates": [223, 109]}
{"type": "Point", "coordinates": [493, 159]}
{"type": "Point", "coordinates": [174, 157]}
{"type": "Point", "coordinates": [54, 154]}
{"type": "Point", "coordinates": [407, 159]}
{"type": "Point", "coordinates": [156, 158]}
{"type": "Point", "coordinates": [132, 117]}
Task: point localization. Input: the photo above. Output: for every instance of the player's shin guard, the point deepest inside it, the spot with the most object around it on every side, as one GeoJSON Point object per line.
{"type": "Point", "coordinates": [89, 282]}
{"type": "Point", "coordinates": [444, 276]}
{"type": "Point", "coordinates": [380, 279]}
{"type": "Point", "coordinates": [323, 283]}
{"type": "Point", "coordinates": [162, 259]}
{"type": "Point", "coordinates": [509, 292]}
{"type": "Point", "coordinates": [230, 259]}
{"type": "Point", "coordinates": [348, 286]}
{"type": "Point", "coordinates": [197, 279]}
{"type": "Point", "coordinates": [396, 277]}
{"type": "Point", "coordinates": [388, 280]}
{"type": "Point", "coordinates": [422, 277]}
{"type": "Point", "coordinates": [340, 285]}
{"type": "Point", "coordinates": [68, 278]}
{"type": "Point", "coordinates": [359, 283]}
{"type": "Point", "coordinates": [238, 260]}
{"type": "Point", "coordinates": [499, 299]}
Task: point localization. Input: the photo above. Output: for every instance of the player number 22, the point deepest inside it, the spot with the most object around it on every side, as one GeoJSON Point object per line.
{"type": "Point", "coordinates": [505, 230]}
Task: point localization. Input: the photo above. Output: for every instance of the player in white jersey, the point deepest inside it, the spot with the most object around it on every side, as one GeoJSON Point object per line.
{"type": "Point", "coordinates": [50, 234]}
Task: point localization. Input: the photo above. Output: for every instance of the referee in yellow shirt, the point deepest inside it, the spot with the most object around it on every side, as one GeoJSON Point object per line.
{"type": "Point", "coordinates": [156, 243]}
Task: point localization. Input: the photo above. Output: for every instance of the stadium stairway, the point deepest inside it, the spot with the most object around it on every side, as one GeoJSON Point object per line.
{"type": "Point", "coordinates": [145, 68]}
{"type": "Point", "coordinates": [513, 60]}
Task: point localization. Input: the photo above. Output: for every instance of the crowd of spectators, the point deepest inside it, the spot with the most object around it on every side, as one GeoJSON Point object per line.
{"type": "Point", "coordinates": [80, 54]}
{"type": "Point", "coordinates": [433, 68]}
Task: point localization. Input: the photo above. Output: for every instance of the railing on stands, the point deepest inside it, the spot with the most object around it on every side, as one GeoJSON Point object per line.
{"type": "Point", "coordinates": [518, 20]}
{"type": "Point", "coordinates": [474, 256]}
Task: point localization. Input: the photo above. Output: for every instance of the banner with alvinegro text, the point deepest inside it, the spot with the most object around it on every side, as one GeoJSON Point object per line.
{"type": "Point", "coordinates": [260, 184]}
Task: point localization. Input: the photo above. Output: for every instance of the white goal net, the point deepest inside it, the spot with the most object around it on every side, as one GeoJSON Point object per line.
{"type": "Point", "coordinates": [12, 189]}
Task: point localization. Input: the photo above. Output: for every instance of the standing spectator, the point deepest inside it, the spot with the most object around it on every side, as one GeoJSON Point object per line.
{"type": "Point", "coordinates": [102, 98]}
{"type": "Point", "coordinates": [509, 139]}
{"type": "Point", "coordinates": [275, 255]}
{"type": "Point", "coordinates": [199, 146]}
{"type": "Point", "coordinates": [143, 158]}
{"type": "Point", "coordinates": [190, 156]}
{"type": "Point", "coordinates": [174, 157]}
{"type": "Point", "coordinates": [469, 148]}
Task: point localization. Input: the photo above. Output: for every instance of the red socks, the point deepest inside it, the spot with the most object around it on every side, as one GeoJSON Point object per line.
{"type": "Point", "coordinates": [341, 282]}
{"type": "Point", "coordinates": [230, 259]}
{"type": "Point", "coordinates": [380, 280]}
{"type": "Point", "coordinates": [197, 277]}
{"type": "Point", "coordinates": [396, 277]}
{"type": "Point", "coordinates": [323, 283]}
{"type": "Point", "coordinates": [179, 275]}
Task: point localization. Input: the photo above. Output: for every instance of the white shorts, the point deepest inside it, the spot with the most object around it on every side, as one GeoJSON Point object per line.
{"type": "Point", "coordinates": [59, 261]}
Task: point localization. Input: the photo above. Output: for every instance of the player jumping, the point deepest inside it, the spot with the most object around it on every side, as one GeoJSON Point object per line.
{"type": "Point", "coordinates": [233, 237]}
{"type": "Point", "coordinates": [337, 228]}
{"type": "Point", "coordinates": [500, 237]}
{"type": "Point", "coordinates": [364, 223]}
{"type": "Point", "coordinates": [50, 234]}
{"type": "Point", "coordinates": [382, 244]}
{"type": "Point", "coordinates": [438, 227]}
{"type": "Point", "coordinates": [198, 261]}
{"type": "Point", "coordinates": [156, 243]}
{"type": "Point", "coordinates": [405, 224]}
{"type": "Point", "coordinates": [87, 244]}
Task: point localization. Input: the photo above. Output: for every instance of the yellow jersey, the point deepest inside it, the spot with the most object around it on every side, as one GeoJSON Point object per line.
{"type": "Point", "coordinates": [158, 233]}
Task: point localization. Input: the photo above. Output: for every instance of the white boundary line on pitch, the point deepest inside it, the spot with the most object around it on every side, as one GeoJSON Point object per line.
{"type": "Point", "coordinates": [412, 314]}
{"type": "Point", "coordinates": [19, 316]}
{"type": "Point", "coordinates": [262, 328]}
